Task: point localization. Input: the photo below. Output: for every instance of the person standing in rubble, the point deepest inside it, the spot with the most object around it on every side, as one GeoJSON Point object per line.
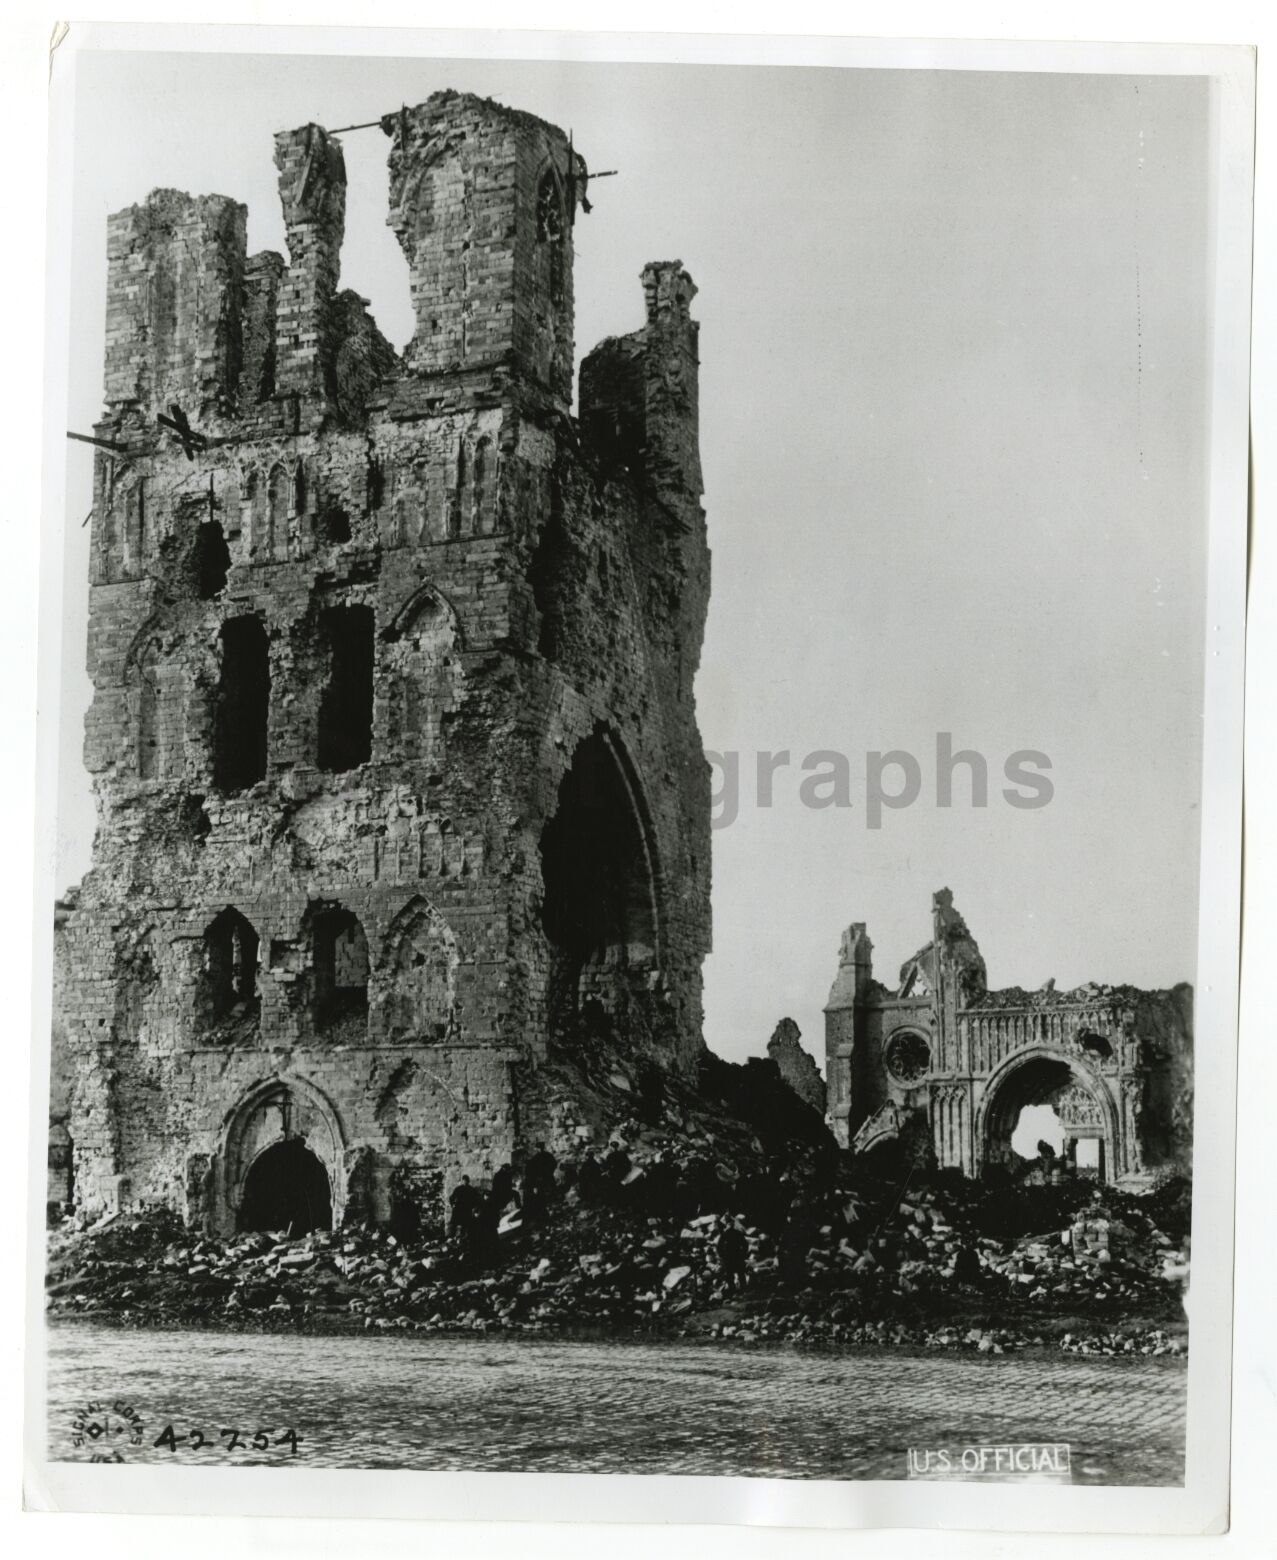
{"type": "Point", "coordinates": [538, 1183]}
{"type": "Point", "coordinates": [464, 1205]}
{"type": "Point", "coordinates": [616, 1166]}
{"type": "Point", "coordinates": [967, 1269]}
{"type": "Point", "coordinates": [733, 1253]}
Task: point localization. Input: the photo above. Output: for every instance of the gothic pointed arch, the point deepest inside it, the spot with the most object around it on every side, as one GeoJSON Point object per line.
{"type": "Point", "coordinates": [421, 680]}
{"type": "Point", "coordinates": [1040, 1074]}
{"type": "Point", "coordinates": [600, 909]}
{"type": "Point", "coordinates": [142, 641]}
{"type": "Point", "coordinates": [339, 974]}
{"type": "Point", "coordinates": [292, 1113]}
{"type": "Point", "coordinates": [417, 976]}
{"type": "Point", "coordinates": [426, 598]}
{"type": "Point", "coordinates": [407, 510]}
{"type": "Point", "coordinates": [228, 1001]}
{"type": "Point", "coordinates": [250, 509]}
{"type": "Point", "coordinates": [297, 497]}
{"type": "Point", "coordinates": [483, 487]}
{"type": "Point", "coordinates": [152, 691]}
{"type": "Point", "coordinates": [278, 498]}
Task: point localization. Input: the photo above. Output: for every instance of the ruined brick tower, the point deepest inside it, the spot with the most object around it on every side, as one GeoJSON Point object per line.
{"type": "Point", "coordinates": [399, 784]}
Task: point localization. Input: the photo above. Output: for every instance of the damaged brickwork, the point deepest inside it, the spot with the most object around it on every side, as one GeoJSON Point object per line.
{"type": "Point", "coordinates": [944, 1066]}
{"type": "Point", "coordinates": [399, 784]}
{"type": "Point", "coordinates": [797, 1067]}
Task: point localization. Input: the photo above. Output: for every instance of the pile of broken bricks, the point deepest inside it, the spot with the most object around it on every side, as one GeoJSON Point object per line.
{"type": "Point", "coordinates": [814, 1264]}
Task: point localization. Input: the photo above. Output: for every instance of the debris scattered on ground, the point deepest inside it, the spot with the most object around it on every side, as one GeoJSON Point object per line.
{"type": "Point", "coordinates": [667, 1238]}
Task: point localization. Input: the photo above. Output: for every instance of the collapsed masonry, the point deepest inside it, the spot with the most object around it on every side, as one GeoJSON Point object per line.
{"type": "Point", "coordinates": [944, 1066]}
{"type": "Point", "coordinates": [399, 784]}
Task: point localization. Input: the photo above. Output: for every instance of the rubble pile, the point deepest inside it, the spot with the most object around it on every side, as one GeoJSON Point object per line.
{"type": "Point", "coordinates": [669, 1238]}
{"type": "Point", "coordinates": [1092, 1260]}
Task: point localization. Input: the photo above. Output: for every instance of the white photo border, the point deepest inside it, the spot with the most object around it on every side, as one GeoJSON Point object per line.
{"type": "Point", "coordinates": [1201, 1506]}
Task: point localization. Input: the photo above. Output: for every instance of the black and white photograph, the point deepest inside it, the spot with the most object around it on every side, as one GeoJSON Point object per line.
{"type": "Point", "coordinates": [645, 859]}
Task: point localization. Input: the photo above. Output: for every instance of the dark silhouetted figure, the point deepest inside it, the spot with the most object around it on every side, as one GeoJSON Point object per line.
{"type": "Point", "coordinates": [617, 1164]}
{"type": "Point", "coordinates": [733, 1253]}
{"type": "Point", "coordinates": [464, 1205]}
{"type": "Point", "coordinates": [538, 1183]}
{"type": "Point", "coordinates": [966, 1267]}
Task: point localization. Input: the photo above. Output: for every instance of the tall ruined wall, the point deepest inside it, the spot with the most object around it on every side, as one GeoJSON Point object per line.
{"type": "Point", "coordinates": [393, 739]}
{"type": "Point", "coordinates": [796, 1066]}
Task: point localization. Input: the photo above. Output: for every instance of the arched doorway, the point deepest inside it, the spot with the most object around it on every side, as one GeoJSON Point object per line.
{"type": "Point", "coordinates": [282, 1161]}
{"type": "Point", "coordinates": [599, 910]}
{"type": "Point", "coordinates": [286, 1190]}
{"type": "Point", "coordinates": [1087, 1116]}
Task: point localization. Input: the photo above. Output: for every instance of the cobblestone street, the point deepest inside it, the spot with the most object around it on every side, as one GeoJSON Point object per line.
{"type": "Point", "coordinates": [509, 1405]}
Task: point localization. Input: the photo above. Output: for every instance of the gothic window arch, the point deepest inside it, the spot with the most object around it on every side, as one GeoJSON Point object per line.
{"type": "Point", "coordinates": [230, 967]}
{"type": "Point", "coordinates": [435, 502]}
{"type": "Point", "coordinates": [456, 496]}
{"type": "Point", "coordinates": [483, 516]}
{"type": "Point", "coordinates": [422, 682]}
{"type": "Point", "coordinates": [406, 518]}
{"type": "Point", "coordinates": [418, 526]}
{"type": "Point", "coordinates": [339, 971]}
{"type": "Point", "coordinates": [154, 706]}
{"type": "Point", "coordinates": [278, 493]}
{"type": "Point", "coordinates": [249, 485]}
{"type": "Point", "coordinates": [418, 975]}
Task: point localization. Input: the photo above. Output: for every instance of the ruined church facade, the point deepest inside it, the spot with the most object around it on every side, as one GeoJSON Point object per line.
{"type": "Point", "coordinates": [398, 776]}
{"type": "Point", "coordinates": [944, 1066]}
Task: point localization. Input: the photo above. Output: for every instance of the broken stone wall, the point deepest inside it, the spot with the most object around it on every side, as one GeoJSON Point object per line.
{"type": "Point", "coordinates": [796, 1066]}
{"type": "Point", "coordinates": [1162, 1114]}
{"type": "Point", "coordinates": [483, 203]}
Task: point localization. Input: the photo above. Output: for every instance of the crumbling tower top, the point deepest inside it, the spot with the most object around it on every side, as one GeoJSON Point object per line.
{"type": "Point", "coordinates": [483, 200]}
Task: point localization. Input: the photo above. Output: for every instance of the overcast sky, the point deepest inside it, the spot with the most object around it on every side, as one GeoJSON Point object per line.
{"type": "Point", "coordinates": [953, 354]}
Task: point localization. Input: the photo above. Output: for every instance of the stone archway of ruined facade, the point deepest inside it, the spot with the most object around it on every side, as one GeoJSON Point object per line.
{"type": "Point", "coordinates": [1033, 1076]}
{"type": "Point", "coordinates": [275, 1111]}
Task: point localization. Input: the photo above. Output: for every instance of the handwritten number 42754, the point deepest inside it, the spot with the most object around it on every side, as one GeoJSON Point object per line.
{"type": "Point", "coordinates": [230, 1440]}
